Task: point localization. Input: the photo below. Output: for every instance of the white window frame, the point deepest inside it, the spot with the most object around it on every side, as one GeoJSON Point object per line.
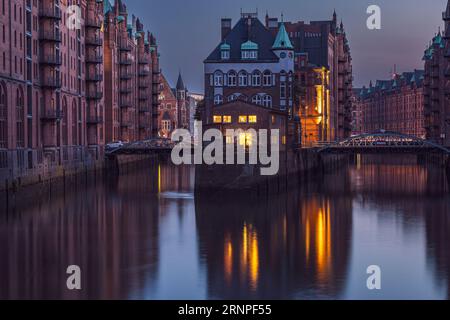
{"type": "Point", "coordinates": [267, 101]}
{"type": "Point", "coordinates": [232, 79]}
{"type": "Point", "coordinates": [256, 79]}
{"type": "Point", "coordinates": [243, 79]}
{"type": "Point", "coordinates": [256, 99]}
{"type": "Point", "coordinates": [218, 99]}
{"type": "Point", "coordinates": [218, 79]}
{"type": "Point", "coordinates": [267, 79]}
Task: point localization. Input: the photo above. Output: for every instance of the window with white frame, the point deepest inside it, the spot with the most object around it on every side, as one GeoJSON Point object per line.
{"type": "Point", "coordinates": [267, 78]}
{"type": "Point", "coordinates": [243, 79]}
{"type": "Point", "coordinates": [225, 54]}
{"type": "Point", "coordinates": [218, 99]}
{"type": "Point", "coordinates": [249, 54]}
{"type": "Point", "coordinates": [232, 97]}
{"type": "Point", "coordinates": [267, 101]}
{"type": "Point", "coordinates": [257, 99]}
{"type": "Point", "coordinates": [256, 79]}
{"type": "Point", "coordinates": [232, 79]}
{"type": "Point", "coordinates": [218, 79]}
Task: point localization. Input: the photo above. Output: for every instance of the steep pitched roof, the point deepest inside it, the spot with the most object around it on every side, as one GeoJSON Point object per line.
{"type": "Point", "coordinates": [241, 33]}
{"type": "Point", "coordinates": [180, 83]}
{"type": "Point", "coordinates": [282, 40]}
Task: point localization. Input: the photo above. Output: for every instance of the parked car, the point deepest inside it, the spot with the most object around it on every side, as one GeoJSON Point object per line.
{"type": "Point", "coordinates": [114, 145]}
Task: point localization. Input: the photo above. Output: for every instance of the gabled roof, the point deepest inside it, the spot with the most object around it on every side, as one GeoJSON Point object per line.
{"type": "Point", "coordinates": [242, 33]}
{"type": "Point", "coordinates": [180, 83]}
{"type": "Point", "coordinates": [282, 40]}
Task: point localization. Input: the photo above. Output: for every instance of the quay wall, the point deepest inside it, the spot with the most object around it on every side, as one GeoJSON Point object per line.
{"type": "Point", "coordinates": [295, 167]}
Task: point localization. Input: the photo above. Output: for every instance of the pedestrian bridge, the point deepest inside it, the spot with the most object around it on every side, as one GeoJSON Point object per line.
{"type": "Point", "coordinates": [383, 141]}
{"type": "Point", "coordinates": [150, 146]}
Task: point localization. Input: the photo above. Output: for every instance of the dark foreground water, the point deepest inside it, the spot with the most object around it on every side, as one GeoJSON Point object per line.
{"type": "Point", "coordinates": [144, 235]}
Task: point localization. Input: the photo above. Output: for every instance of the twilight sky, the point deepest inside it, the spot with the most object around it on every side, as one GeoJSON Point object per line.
{"type": "Point", "coordinates": [188, 30]}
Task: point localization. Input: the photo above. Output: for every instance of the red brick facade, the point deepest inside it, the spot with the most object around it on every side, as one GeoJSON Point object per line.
{"type": "Point", "coordinates": [437, 86]}
{"type": "Point", "coordinates": [63, 71]}
{"type": "Point", "coordinates": [394, 105]}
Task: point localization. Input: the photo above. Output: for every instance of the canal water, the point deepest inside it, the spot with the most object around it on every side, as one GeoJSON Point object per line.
{"type": "Point", "coordinates": [144, 235]}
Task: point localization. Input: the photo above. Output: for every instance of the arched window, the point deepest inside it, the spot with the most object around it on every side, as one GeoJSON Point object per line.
{"type": "Point", "coordinates": [218, 99]}
{"type": "Point", "coordinates": [232, 98]}
{"type": "Point", "coordinates": [243, 79]}
{"type": "Point", "coordinates": [74, 123]}
{"type": "Point", "coordinates": [20, 129]}
{"type": "Point", "coordinates": [267, 78]}
{"type": "Point", "coordinates": [3, 117]}
{"type": "Point", "coordinates": [256, 79]}
{"type": "Point", "coordinates": [65, 133]}
{"type": "Point", "coordinates": [267, 101]}
{"type": "Point", "coordinates": [242, 97]}
{"type": "Point", "coordinates": [257, 99]}
{"type": "Point", "coordinates": [232, 79]}
{"type": "Point", "coordinates": [218, 79]}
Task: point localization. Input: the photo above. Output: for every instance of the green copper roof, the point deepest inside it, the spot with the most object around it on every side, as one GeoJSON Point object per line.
{"type": "Point", "coordinates": [249, 46]}
{"type": "Point", "coordinates": [107, 7]}
{"type": "Point", "coordinates": [120, 19]}
{"type": "Point", "coordinates": [437, 39]}
{"type": "Point", "coordinates": [225, 46]}
{"type": "Point", "coordinates": [282, 40]}
{"type": "Point", "coordinates": [138, 35]}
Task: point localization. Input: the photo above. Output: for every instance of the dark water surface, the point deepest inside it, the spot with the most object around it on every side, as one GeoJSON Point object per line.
{"type": "Point", "coordinates": [144, 235]}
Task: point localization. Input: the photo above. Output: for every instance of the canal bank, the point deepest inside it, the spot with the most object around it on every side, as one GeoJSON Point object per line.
{"type": "Point", "coordinates": [27, 184]}
{"type": "Point", "coordinates": [294, 167]}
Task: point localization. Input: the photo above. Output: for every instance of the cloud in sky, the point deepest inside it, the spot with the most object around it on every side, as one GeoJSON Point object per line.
{"type": "Point", "coordinates": [187, 30]}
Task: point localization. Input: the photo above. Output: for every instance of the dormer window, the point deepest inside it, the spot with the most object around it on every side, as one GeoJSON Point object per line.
{"type": "Point", "coordinates": [249, 51]}
{"type": "Point", "coordinates": [225, 51]}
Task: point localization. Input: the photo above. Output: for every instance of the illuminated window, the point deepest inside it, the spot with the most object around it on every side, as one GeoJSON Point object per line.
{"type": "Point", "coordinates": [252, 119]}
{"type": "Point", "coordinates": [217, 119]}
{"type": "Point", "coordinates": [226, 119]}
{"type": "Point", "coordinates": [283, 140]}
{"type": "Point", "coordinates": [242, 119]}
{"type": "Point", "coordinates": [245, 139]}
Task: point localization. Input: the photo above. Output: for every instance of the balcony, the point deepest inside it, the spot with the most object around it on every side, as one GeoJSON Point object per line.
{"type": "Point", "coordinates": [124, 45]}
{"type": "Point", "coordinates": [94, 119]}
{"type": "Point", "coordinates": [94, 41]}
{"type": "Point", "coordinates": [144, 60]}
{"type": "Point", "coordinates": [94, 95]}
{"type": "Point", "coordinates": [51, 82]}
{"type": "Point", "coordinates": [52, 36]}
{"type": "Point", "coordinates": [94, 58]}
{"type": "Point", "coordinates": [144, 96]}
{"type": "Point", "coordinates": [144, 73]}
{"type": "Point", "coordinates": [125, 90]}
{"type": "Point", "coordinates": [126, 76]}
{"type": "Point", "coordinates": [51, 59]}
{"type": "Point", "coordinates": [94, 77]}
{"type": "Point", "coordinates": [125, 61]}
{"type": "Point", "coordinates": [49, 12]}
{"type": "Point", "coordinates": [93, 22]}
{"type": "Point", "coordinates": [125, 123]}
{"type": "Point", "coordinates": [49, 114]}
{"type": "Point", "coordinates": [125, 103]}
{"type": "Point", "coordinates": [144, 84]}
{"type": "Point", "coordinates": [144, 109]}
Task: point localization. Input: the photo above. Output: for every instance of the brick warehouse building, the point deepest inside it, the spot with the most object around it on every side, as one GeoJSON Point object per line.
{"type": "Point", "coordinates": [59, 102]}
{"type": "Point", "coordinates": [437, 85]}
{"type": "Point", "coordinates": [174, 108]}
{"type": "Point", "coordinates": [323, 68]}
{"type": "Point", "coordinates": [394, 105]}
{"type": "Point", "coordinates": [250, 66]}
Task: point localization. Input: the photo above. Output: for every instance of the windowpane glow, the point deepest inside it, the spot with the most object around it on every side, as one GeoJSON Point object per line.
{"type": "Point", "coordinates": [226, 119]}
{"type": "Point", "coordinates": [242, 119]}
{"type": "Point", "coordinates": [217, 119]}
{"type": "Point", "coordinates": [252, 119]}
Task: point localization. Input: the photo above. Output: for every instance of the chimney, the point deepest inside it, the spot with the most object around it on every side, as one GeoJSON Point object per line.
{"type": "Point", "coordinates": [226, 28]}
